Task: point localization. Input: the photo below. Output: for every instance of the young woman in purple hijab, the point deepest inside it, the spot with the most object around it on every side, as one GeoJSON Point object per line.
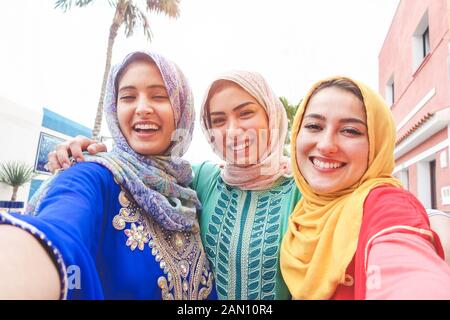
{"type": "Point", "coordinates": [123, 224]}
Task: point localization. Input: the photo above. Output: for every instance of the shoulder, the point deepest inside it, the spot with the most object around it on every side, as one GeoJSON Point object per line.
{"type": "Point", "coordinates": [288, 187]}
{"type": "Point", "coordinates": [293, 189]}
{"type": "Point", "coordinates": [86, 173]}
{"type": "Point", "coordinates": [387, 206]}
{"type": "Point", "coordinates": [203, 173]}
{"type": "Point", "coordinates": [392, 198]}
{"type": "Point", "coordinates": [206, 167]}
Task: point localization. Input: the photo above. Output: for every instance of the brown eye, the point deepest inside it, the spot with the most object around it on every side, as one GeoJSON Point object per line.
{"type": "Point", "coordinates": [352, 132]}
{"type": "Point", "coordinates": [246, 113]}
{"type": "Point", "coordinates": [218, 121]}
{"type": "Point", "coordinates": [160, 97]}
{"type": "Point", "coordinates": [126, 98]}
{"type": "Point", "coordinates": [312, 127]}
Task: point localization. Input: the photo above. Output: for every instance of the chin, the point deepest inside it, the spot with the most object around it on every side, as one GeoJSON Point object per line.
{"type": "Point", "coordinates": [145, 151]}
{"type": "Point", "coordinates": [322, 188]}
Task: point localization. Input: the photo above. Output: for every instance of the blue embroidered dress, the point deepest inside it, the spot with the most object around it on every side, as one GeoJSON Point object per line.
{"type": "Point", "coordinates": [105, 247]}
{"type": "Point", "coordinates": [242, 233]}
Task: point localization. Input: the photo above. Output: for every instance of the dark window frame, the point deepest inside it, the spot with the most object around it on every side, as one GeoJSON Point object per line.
{"type": "Point", "coordinates": [426, 42]}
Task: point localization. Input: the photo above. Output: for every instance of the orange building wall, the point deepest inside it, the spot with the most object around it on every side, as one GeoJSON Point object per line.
{"type": "Point", "coordinates": [396, 58]}
{"type": "Point", "coordinates": [413, 83]}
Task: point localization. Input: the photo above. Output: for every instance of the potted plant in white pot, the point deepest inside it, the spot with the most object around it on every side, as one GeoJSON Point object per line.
{"type": "Point", "coordinates": [15, 174]}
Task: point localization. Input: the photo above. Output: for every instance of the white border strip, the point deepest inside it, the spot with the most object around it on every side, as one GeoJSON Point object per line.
{"type": "Point", "coordinates": [417, 108]}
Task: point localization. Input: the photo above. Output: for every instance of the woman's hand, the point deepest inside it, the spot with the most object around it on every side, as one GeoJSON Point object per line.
{"type": "Point", "coordinates": [59, 158]}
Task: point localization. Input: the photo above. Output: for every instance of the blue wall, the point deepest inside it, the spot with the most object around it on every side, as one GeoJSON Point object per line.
{"type": "Point", "coordinates": [58, 123]}
{"type": "Point", "coordinates": [35, 184]}
{"type": "Point", "coordinates": [63, 125]}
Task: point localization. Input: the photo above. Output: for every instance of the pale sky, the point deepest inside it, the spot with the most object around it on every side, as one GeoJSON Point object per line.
{"type": "Point", "coordinates": [53, 59]}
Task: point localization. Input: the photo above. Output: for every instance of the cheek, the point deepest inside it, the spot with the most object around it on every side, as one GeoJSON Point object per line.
{"type": "Point", "coordinates": [122, 118]}
{"type": "Point", "coordinates": [264, 130]}
{"type": "Point", "coordinates": [300, 149]}
{"type": "Point", "coordinates": [168, 119]}
{"type": "Point", "coordinates": [258, 126]}
{"type": "Point", "coordinates": [360, 153]}
{"type": "Point", "coordinates": [364, 152]}
{"type": "Point", "coordinates": [259, 122]}
{"type": "Point", "coordinates": [218, 137]}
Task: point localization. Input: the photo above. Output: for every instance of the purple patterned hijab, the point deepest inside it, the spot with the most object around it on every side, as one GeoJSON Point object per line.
{"type": "Point", "coordinates": [158, 184]}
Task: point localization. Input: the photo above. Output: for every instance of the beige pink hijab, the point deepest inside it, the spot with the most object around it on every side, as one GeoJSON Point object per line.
{"type": "Point", "coordinates": [272, 164]}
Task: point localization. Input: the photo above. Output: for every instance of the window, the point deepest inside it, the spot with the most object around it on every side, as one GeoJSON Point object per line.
{"type": "Point", "coordinates": [445, 194]}
{"type": "Point", "coordinates": [425, 43]}
{"type": "Point", "coordinates": [390, 91]}
{"type": "Point", "coordinates": [433, 184]}
{"type": "Point", "coordinates": [421, 41]}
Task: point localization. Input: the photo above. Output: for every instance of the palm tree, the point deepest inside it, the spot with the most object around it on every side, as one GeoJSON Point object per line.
{"type": "Point", "coordinates": [129, 14]}
{"type": "Point", "coordinates": [290, 112]}
{"type": "Point", "coordinates": [15, 174]}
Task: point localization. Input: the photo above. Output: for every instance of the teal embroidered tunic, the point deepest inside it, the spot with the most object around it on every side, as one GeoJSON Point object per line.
{"type": "Point", "coordinates": [242, 232]}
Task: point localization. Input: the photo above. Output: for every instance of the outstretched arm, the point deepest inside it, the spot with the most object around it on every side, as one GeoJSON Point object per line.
{"type": "Point", "coordinates": [26, 270]}
{"type": "Point", "coordinates": [405, 266]}
{"type": "Point", "coordinates": [61, 241]}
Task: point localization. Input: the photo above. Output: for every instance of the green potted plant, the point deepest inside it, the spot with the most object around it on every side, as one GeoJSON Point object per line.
{"type": "Point", "coordinates": [15, 174]}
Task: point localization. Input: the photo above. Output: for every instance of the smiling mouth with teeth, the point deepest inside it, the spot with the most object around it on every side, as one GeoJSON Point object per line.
{"type": "Point", "coordinates": [327, 165]}
{"type": "Point", "coordinates": [239, 147]}
{"type": "Point", "coordinates": [148, 127]}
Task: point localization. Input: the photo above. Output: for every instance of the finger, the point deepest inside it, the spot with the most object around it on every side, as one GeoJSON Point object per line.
{"type": "Point", "coordinates": [53, 163]}
{"type": "Point", "coordinates": [76, 149]}
{"type": "Point", "coordinates": [62, 155]}
{"type": "Point", "coordinates": [97, 147]}
{"type": "Point", "coordinates": [87, 144]}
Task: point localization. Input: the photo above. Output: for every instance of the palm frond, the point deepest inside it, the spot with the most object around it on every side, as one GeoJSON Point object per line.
{"type": "Point", "coordinates": [290, 110]}
{"type": "Point", "coordinates": [290, 113]}
{"type": "Point", "coordinates": [112, 3]}
{"type": "Point", "coordinates": [130, 17]}
{"type": "Point", "coordinates": [134, 15]}
{"type": "Point", "coordinates": [15, 173]}
{"type": "Point", "coordinates": [145, 25]}
{"type": "Point", "coordinates": [168, 7]}
{"type": "Point", "coordinates": [67, 4]}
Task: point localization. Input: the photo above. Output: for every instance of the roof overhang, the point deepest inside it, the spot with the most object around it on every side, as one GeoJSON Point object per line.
{"type": "Point", "coordinates": [435, 123]}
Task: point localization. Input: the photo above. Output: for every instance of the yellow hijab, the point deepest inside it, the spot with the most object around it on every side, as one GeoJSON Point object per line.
{"type": "Point", "coordinates": [323, 229]}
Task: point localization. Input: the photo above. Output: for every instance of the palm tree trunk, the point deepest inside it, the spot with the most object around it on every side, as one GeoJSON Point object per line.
{"type": "Point", "coordinates": [14, 195]}
{"type": "Point", "coordinates": [117, 22]}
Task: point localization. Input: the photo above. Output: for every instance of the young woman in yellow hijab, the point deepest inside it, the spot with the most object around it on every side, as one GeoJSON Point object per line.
{"type": "Point", "coordinates": [355, 234]}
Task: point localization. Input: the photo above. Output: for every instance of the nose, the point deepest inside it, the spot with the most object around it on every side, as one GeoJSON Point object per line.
{"type": "Point", "coordinates": [327, 143]}
{"type": "Point", "coordinates": [234, 129]}
{"type": "Point", "coordinates": [144, 107]}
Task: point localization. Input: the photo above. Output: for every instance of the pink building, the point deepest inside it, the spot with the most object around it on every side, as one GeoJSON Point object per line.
{"type": "Point", "coordinates": [414, 78]}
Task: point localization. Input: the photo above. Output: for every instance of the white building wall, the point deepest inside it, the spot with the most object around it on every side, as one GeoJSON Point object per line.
{"type": "Point", "coordinates": [423, 183]}
{"type": "Point", "coordinates": [19, 137]}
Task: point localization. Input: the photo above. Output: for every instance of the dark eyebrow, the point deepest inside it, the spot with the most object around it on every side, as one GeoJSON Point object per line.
{"type": "Point", "coordinates": [154, 86]}
{"type": "Point", "coordinates": [344, 120]}
{"type": "Point", "coordinates": [234, 109]}
{"type": "Point", "coordinates": [314, 116]}
{"type": "Point", "coordinates": [353, 120]}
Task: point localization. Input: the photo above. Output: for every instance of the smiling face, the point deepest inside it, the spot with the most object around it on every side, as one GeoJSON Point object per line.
{"type": "Point", "coordinates": [144, 111]}
{"type": "Point", "coordinates": [239, 123]}
{"type": "Point", "coordinates": [332, 146]}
